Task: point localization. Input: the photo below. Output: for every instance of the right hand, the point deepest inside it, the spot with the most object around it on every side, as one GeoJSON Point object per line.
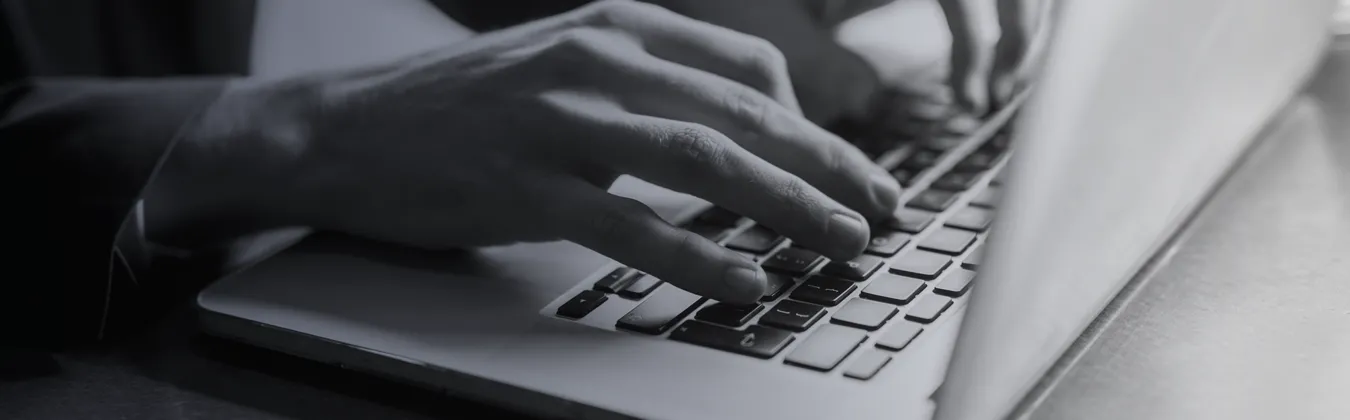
{"type": "Point", "coordinates": [516, 136]}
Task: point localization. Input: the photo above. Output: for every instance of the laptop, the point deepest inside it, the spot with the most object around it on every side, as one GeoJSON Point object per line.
{"type": "Point", "coordinates": [1009, 242]}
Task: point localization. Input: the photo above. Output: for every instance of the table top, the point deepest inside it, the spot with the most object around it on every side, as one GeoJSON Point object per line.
{"type": "Point", "coordinates": [1241, 322]}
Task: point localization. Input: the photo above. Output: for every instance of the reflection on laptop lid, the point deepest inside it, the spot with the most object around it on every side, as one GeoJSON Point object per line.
{"type": "Point", "coordinates": [1142, 108]}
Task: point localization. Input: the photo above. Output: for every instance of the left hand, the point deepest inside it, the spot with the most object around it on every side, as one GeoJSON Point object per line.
{"type": "Point", "coordinates": [832, 82]}
{"type": "Point", "coordinates": [995, 46]}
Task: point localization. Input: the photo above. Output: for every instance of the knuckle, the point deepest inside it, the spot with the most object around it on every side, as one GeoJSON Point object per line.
{"type": "Point", "coordinates": [833, 156]}
{"type": "Point", "coordinates": [580, 40]}
{"type": "Point", "coordinates": [767, 59]}
{"type": "Point", "coordinates": [795, 192]}
{"type": "Point", "coordinates": [578, 51]}
{"type": "Point", "coordinates": [696, 148]}
{"type": "Point", "coordinates": [612, 12]}
{"type": "Point", "coordinates": [751, 108]}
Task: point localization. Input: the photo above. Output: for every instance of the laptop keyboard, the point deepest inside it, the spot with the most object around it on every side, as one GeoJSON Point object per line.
{"type": "Point", "coordinates": [816, 313]}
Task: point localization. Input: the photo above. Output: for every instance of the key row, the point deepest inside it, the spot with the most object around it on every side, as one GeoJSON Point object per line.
{"type": "Point", "coordinates": [823, 349]}
{"type": "Point", "coordinates": [836, 281]}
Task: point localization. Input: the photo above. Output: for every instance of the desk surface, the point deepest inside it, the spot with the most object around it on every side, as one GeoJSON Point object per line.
{"type": "Point", "coordinates": [1250, 318]}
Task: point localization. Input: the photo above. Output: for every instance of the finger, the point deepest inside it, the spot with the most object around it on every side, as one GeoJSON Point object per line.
{"type": "Point", "coordinates": [747, 59]}
{"type": "Point", "coordinates": [632, 234]}
{"type": "Point", "coordinates": [703, 162]}
{"type": "Point", "coordinates": [832, 13]}
{"type": "Point", "coordinates": [786, 140]}
{"type": "Point", "coordinates": [700, 161]}
{"type": "Point", "coordinates": [927, 116]}
{"type": "Point", "coordinates": [971, 57]}
{"type": "Point", "coordinates": [1017, 20]}
{"type": "Point", "coordinates": [1036, 50]}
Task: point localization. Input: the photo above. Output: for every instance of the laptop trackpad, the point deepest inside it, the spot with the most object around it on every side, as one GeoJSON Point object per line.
{"type": "Point", "coordinates": [389, 298]}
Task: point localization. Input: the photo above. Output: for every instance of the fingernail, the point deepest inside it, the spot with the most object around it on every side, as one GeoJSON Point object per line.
{"type": "Point", "coordinates": [885, 192]}
{"type": "Point", "coordinates": [848, 232]}
{"type": "Point", "coordinates": [746, 284]}
{"type": "Point", "coordinates": [963, 124]}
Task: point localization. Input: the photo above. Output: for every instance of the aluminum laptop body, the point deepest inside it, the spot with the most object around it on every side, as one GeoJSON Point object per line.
{"type": "Point", "coordinates": [1144, 105]}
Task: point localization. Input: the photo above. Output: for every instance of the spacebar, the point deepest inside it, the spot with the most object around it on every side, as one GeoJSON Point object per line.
{"type": "Point", "coordinates": [662, 310]}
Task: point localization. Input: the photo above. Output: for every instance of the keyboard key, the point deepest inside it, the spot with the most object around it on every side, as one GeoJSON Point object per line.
{"type": "Point", "coordinates": [887, 244]}
{"type": "Point", "coordinates": [972, 261]}
{"type": "Point", "coordinates": [718, 216]}
{"type": "Point", "coordinates": [616, 280]}
{"type": "Point", "coordinates": [640, 287]}
{"type": "Point", "coordinates": [921, 264]}
{"type": "Point", "coordinates": [823, 291]}
{"type": "Point", "coordinates": [794, 261]}
{"type": "Point", "coordinates": [582, 304]}
{"type": "Point", "coordinates": [729, 315]}
{"type": "Point", "coordinates": [979, 161]}
{"type": "Point", "coordinates": [906, 177]}
{"type": "Point", "coordinates": [1002, 140]}
{"type": "Point", "coordinates": [755, 341]}
{"type": "Point", "coordinates": [711, 232]}
{"type": "Point", "coordinates": [909, 220]}
{"type": "Point", "coordinates": [933, 200]}
{"type": "Point", "coordinates": [948, 241]}
{"type": "Point", "coordinates": [867, 365]}
{"type": "Point", "coordinates": [921, 159]}
{"type": "Point", "coordinates": [893, 289]}
{"type": "Point", "coordinates": [661, 311]}
{"type": "Point", "coordinates": [857, 269]}
{"type": "Point", "coordinates": [928, 309]}
{"type": "Point", "coordinates": [758, 240]}
{"type": "Point", "coordinates": [956, 181]}
{"type": "Point", "coordinates": [943, 143]}
{"type": "Point", "coordinates": [899, 335]}
{"type": "Point", "coordinates": [972, 219]}
{"type": "Point", "coordinates": [792, 316]}
{"type": "Point", "coordinates": [826, 347]}
{"type": "Point", "coordinates": [778, 283]}
{"type": "Point", "coordinates": [865, 314]}
{"type": "Point", "coordinates": [955, 283]}
{"type": "Point", "coordinates": [987, 198]}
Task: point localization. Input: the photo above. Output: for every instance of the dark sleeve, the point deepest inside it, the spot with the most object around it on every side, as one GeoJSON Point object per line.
{"type": "Point", "coordinates": [76, 155]}
{"type": "Point", "coordinates": [485, 16]}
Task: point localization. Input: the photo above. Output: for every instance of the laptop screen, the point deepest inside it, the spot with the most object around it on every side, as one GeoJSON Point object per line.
{"type": "Point", "coordinates": [1141, 109]}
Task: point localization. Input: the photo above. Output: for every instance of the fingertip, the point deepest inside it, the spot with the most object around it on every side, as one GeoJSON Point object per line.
{"type": "Point", "coordinates": [744, 284]}
{"type": "Point", "coordinates": [885, 193]}
{"type": "Point", "coordinates": [849, 235]}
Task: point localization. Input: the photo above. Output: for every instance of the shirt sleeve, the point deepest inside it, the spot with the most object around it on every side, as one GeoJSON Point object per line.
{"type": "Point", "coordinates": [77, 154]}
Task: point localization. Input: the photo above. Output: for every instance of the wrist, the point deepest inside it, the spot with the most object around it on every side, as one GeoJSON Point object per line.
{"type": "Point", "coordinates": [238, 168]}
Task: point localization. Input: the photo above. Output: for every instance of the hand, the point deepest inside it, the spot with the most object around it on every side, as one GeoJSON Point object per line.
{"type": "Point", "coordinates": [987, 68]}
{"type": "Point", "coordinates": [832, 83]}
{"type": "Point", "coordinates": [516, 135]}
